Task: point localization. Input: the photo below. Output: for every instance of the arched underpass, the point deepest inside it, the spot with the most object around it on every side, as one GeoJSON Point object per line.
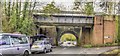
{"type": "Point", "coordinates": [68, 38]}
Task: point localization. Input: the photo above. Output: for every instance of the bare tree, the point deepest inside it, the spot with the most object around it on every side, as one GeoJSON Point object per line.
{"type": "Point", "coordinates": [78, 5]}
{"type": "Point", "coordinates": [107, 6]}
{"type": "Point", "coordinates": [118, 9]}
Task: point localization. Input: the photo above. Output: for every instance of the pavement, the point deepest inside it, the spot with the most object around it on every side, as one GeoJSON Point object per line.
{"type": "Point", "coordinates": [80, 50]}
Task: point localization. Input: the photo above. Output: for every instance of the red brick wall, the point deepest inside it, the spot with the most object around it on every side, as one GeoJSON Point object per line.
{"type": "Point", "coordinates": [109, 31]}
{"type": "Point", "coordinates": [103, 30]}
{"type": "Point", "coordinates": [98, 30]}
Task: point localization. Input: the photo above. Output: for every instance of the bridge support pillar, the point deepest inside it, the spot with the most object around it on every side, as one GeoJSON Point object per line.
{"type": "Point", "coordinates": [98, 32]}
{"type": "Point", "coordinates": [80, 36]}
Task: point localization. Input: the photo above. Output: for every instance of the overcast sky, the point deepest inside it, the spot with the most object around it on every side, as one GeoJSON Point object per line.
{"type": "Point", "coordinates": [67, 4]}
{"type": "Point", "coordinates": [64, 0]}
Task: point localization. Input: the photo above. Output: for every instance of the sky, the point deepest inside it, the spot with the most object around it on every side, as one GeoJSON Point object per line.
{"type": "Point", "coordinates": [65, 4]}
{"type": "Point", "coordinates": [64, 0]}
{"type": "Point", "coordinates": [61, 3]}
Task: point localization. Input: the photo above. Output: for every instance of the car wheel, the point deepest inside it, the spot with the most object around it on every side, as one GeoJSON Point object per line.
{"type": "Point", "coordinates": [26, 53]}
{"type": "Point", "coordinates": [33, 52]}
{"type": "Point", "coordinates": [45, 50]}
{"type": "Point", "coordinates": [51, 50]}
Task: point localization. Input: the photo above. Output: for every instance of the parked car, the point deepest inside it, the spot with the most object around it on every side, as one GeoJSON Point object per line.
{"type": "Point", "coordinates": [37, 38]}
{"type": "Point", "coordinates": [14, 44]}
{"type": "Point", "coordinates": [41, 46]}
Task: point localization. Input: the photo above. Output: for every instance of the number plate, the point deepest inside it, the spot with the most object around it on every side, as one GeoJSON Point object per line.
{"type": "Point", "coordinates": [35, 46]}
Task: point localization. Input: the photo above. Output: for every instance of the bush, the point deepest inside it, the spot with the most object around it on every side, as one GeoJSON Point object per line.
{"type": "Point", "coordinates": [108, 44]}
{"type": "Point", "coordinates": [105, 45]}
{"type": "Point", "coordinates": [87, 46]}
{"type": "Point", "coordinates": [115, 44]}
{"type": "Point", "coordinates": [100, 45]}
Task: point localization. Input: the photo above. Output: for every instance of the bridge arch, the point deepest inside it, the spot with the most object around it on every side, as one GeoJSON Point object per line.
{"type": "Point", "coordinates": [71, 32]}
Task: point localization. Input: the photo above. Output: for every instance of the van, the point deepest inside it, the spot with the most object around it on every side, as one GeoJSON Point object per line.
{"type": "Point", "coordinates": [14, 44]}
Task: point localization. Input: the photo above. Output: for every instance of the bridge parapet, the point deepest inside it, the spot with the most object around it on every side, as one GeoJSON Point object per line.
{"type": "Point", "coordinates": [65, 19]}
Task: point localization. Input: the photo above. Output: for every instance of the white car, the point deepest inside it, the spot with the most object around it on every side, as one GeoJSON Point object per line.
{"type": "Point", "coordinates": [41, 46]}
{"type": "Point", "coordinates": [69, 43]}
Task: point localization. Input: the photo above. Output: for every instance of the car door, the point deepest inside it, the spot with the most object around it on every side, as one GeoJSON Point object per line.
{"type": "Point", "coordinates": [48, 45]}
{"type": "Point", "coordinates": [24, 44]}
{"type": "Point", "coordinates": [45, 45]}
{"type": "Point", "coordinates": [15, 44]}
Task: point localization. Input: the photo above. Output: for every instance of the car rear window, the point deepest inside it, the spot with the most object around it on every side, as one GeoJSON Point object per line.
{"type": "Point", "coordinates": [5, 40]}
{"type": "Point", "coordinates": [38, 43]}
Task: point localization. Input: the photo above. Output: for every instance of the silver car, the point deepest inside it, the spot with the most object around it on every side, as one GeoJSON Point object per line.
{"type": "Point", "coordinates": [41, 46]}
{"type": "Point", "coordinates": [14, 44]}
